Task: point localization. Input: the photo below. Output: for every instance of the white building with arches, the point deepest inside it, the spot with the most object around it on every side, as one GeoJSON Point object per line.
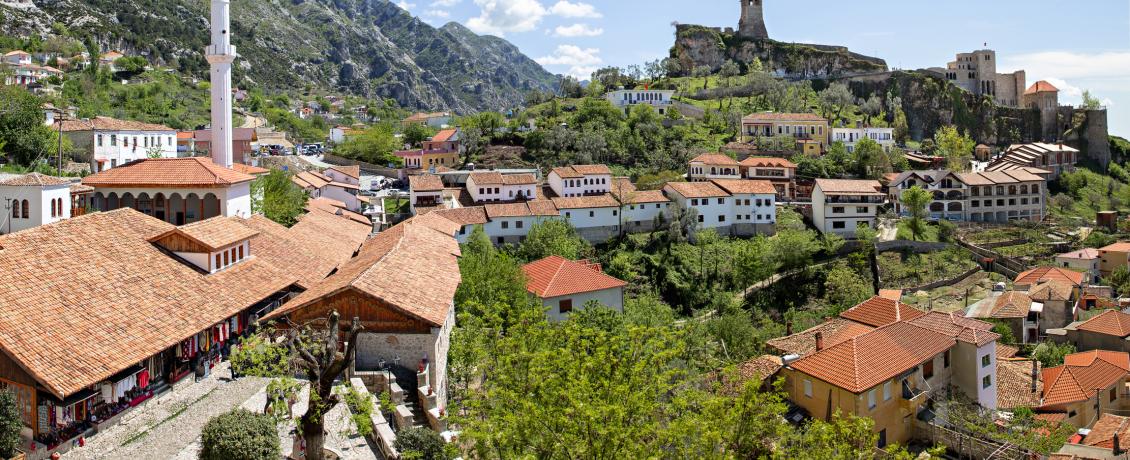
{"type": "Point", "coordinates": [176, 190]}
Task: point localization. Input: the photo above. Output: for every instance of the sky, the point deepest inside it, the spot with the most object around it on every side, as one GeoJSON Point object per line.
{"type": "Point", "coordinates": [1075, 45]}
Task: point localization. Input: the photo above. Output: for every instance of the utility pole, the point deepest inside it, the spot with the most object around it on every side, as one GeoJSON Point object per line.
{"type": "Point", "coordinates": [60, 117]}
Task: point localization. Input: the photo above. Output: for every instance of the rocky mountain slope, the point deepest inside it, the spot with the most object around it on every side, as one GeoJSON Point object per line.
{"type": "Point", "coordinates": [365, 47]}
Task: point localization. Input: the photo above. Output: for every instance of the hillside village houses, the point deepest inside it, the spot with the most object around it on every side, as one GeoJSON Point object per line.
{"type": "Point", "coordinates": [34, 199]}
{"type": "Point", "coordinates": [998, 196]}
{"type": "Point", "coordinates": [1113, 256]}
{"type": "Point", "coordinates": [338, 183]}
{"type": "Point", "coordinates": [109, 142]}
{"type": "Point", "coordinates": [811, 131]}
{"type": "Point", "coordinates": [434, 119]}
{"type": "Point", "coordinates": [1085, 260]}
{"type": "Point", "coordinates": [781, 173]}
{"type": "Point", "coordinates": [625, 99]}
{"type": "Point", "coordinates": [563, 286]}
{"type": "Point", "coordinates": [841, 206]}
{"type": "Point", "coordinates": [1054, 159]}
{"type": "Point", "coordinates": [444, 150]}
{"type": "Point", "coordinates": [885, 137]}
{"type": "Point", "coordinates": [22, 72]}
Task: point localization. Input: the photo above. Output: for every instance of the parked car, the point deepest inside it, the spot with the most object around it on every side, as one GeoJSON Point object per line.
{"type": "Point", "coordinates": [999, 287]}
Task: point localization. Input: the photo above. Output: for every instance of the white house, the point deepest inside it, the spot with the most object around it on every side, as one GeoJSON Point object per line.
{"type": "Point", "coordinates": [714, 205]}
{"type": "Point", "coordinates": [111, 142]}
{"type": "Point", "coordinates": [564, 286]}
{"type": "Point", "coordinates": [17, 57]}
{"type": "Point", "coordinates": [596, 217]}
{"type": "Point", "coordinates": [31, 200]}
{"type": "Point", "coordinates": [511, 222]}
{"type": "Point", "coordinates": [639, 208]}
{"type": "Point", "coordinates": [176, 190]}
{"type": "Point", "coordinates": [624, 99]}
{"type": "Point", "coordinates": [580, 180]}
{"type": "Point", "coordinates": [840, 205]}
{"type": "Point", "coordinates": [754, 206]}
{"type": "Point", "coordinates": [1085, 260]}
{"type": "Point", "coordinates": [425, 192]}
{"type": "Point", "coordinates": [885, 137]}
{"type": "Point", "coordinates": [344, 174]}
{"type": "Point", "coordinates": [713, 166]}
{"type": "Point", "coordinates": [492, 186]}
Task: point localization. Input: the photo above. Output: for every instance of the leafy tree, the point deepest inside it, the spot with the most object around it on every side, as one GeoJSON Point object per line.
{"type": "Point", "coordinates": [22, 132]}
{"type": "Point", "coordinates": [955, 146]}
{"type": "Point", "coordinates": [1051, 354]}
{"type": "Point", "coordinates": [552, 238]}
{"type": "Point", "coordinates": [11, 422]}
{"type": "Point", "coordinates": [844, 288]}
{"type": "Point", "coordinates": [683, 224]}
{"type": "Point", "coordinates": [1098, 239]}
{"type": "Point", "coordinates": [131, 64]}
{"type": "Point", "coordinates": [728, 71]}
{"type": "Point", "coordinates": [873, 162]}
{"type": "Point", "coordinates": [915, 200]}
{"type": "Point", "coordinates": [375, 145]}
{"type": "Point", "coordinates": [871, 107]}
{"type": "Point", "coordinates": [704, 73]}
{"type": "Point", "coordinates": [835, 99]}
{"type": "Point", "coordinates": [277, 198]}
{"type": "Point", "coordinates": [1119, 279]}
{"type": "Point", "coordinates": [258, 356]}
{"type": "Point", "coordinates": [240, 435]}
{"type": "Point", "coordinates": [415, 133]}
{"type": "Point", "coordinates": [489, 276]}
{"type": "Point", "coordinates": [672, 67]}
{"type": "Point", "coordinates": [648, 310]}
{"type": "Point", "coordinates": [844, 438]}
{"type": "Point", "coordinates": [1004, 330]}
{"type": "Point", "coordinates": [318, 355]}
{"type": "Point", "coordinates": [1090, 102]}
{"type": "Point", "coordinates": [417, 443]}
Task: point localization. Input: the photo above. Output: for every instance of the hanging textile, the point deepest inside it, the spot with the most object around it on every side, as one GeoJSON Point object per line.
{"type": "Point", "coordinates": [143, 379]}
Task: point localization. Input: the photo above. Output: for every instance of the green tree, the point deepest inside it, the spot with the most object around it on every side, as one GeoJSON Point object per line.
{"type": "Point", "coordinates": [871, 107]}
{"type": "Point", "coordinates": [552, 238]}
{"type": "Point", "coordinates": [375, 145]}
{"type": "Point", "coordinates": [915, 200]}
{"type": "Point", "coordinates": [844, 288]}
{"type": "Point", "coordinates": [1051, 354]}
{"type": "Point", "coordinates": [955, 146]}
{"type": "Point", "coordinates": [240, 435]}
{"type": "Point", "coordinates": [277, 198]}
{"type": "Point", "coordinates": [704, 73]}
{"type": "Point", "coordinates": [415, 134]}
{"type": "Point", "coordinates": [1090, 102]}
{"type": "Point", "coordinates": [844, 438]}
{"type": "Point", "coordinates": [490, 276]}
{"type": "Point", "coordinates": [872, 160]}
{"type": "Point", "coordinates": [11, 423]}
{"type": "Point", "coordinates": [1119, 279]}
{"type": "Point", "coordinates": [417, 443]}
{"type": "Point", "coordinates": [728, 71]}
{"type": "Point", "coordinates": [834, 100]}
{"type": "Point", "coordinates": [258, 356]}
{"type": "Point", "coordinates": [22, 132]}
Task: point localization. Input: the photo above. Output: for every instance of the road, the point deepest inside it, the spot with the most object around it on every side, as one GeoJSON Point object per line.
{"type": "Point", "coordinates": [252, 121]}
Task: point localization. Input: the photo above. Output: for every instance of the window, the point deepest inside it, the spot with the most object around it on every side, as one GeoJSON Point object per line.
{"type": "Point", "coordinates": [1113, 394]}
{"type": "Point", "coordinates": [861, 209]}
{"type": "Point", "coordinates": [568, 214]}
{"type": "Point", "coordinates": [565, 306]}
{"type": "Point", "coordinates": [505, 224]}
{"type": "Point", "coordinates": [500, 240]}
{"type": "Point", "coordinates": [838, 225]}
{"type": "Point", "coordinates": [871, 399]}
{"type": "Point", "coordinates": [694, 202]}
{"type": "Point", "coordinates": [882, 438]}
{"type": "Point", "coordinates": [928, 369]}
{"type": "Point", "coordinates": [519, 224]}
{"type": "Point", "coordinates": [700, 220]}
{"type": "Point", "coordinates": [887, 391]}
{"type": "Point", "coordinates": [987, 381]}
{"type": "Point", "coordinates": [615, 212]}
{"type": "Point", "coordinates": [113, 140]}
{"type": "Point", "coordinates": [99, 140]}
{"type": "Point", "coordinates": [15, 211]}
{"type": "Point", "coordinates": [721, 218]}
{"type": "Point", "coordinates": [838, 210]}
{"type": "Point", "coordinates": [25, 209]}
{"type": "Point", "coordinates": [1071, 414]}
{"type": "Point", "coordinates": [217, 267]}
{"type": "Point", "coordinates": [52, 208]}
{"type": "Point", "coordinates": [721, 201]}
{"type": "Point", "coordinates": [946, 360]}
{"type": "Point", "coordinates": [226, 261]}
{"type": "Point", "coordinates": [592, 213]}
{"type": "Point", "coordinates": [808, 388]}
{"type": "Point", "coordinates": [985, 361]}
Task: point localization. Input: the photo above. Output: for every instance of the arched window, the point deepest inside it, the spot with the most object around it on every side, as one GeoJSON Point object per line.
{"type": "Point", "coordinates": [16, 210]}
{"type": "Point", "coordinates": [53, 208]}
{"type": "Point", "coordinates": [25, 208]}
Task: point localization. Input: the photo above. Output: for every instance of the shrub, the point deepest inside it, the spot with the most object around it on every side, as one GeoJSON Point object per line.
{"type": "Point", "coordinates": [240, 435]}
{"type": "Point", "coordinates": [10, 424]}
{"type": "Point", "coordinates": [420, 444]}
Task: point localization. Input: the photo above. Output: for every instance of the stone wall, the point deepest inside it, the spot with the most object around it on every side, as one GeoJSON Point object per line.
{"type": "Point", "coordinates": [918, 247]}
{"type": "Point", "coordinates": [366, 167]}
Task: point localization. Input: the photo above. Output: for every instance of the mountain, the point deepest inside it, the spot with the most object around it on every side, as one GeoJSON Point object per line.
{"type": "Point", "coordinates": [369, 48]}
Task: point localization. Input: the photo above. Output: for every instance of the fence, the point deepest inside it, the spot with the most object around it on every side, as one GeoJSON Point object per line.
{"type": "Point", "coordinates": [367, 167]}
{"type": "Point", "coordinates": [918, 247]}
{"type": "Point", "coordinates": [967, 446]}
{"type": "Point", "coordinates": [1001, 264]}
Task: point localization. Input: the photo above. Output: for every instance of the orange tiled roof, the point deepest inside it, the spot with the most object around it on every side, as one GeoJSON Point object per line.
{"type": "Point", "coordinates": [248, 169]}
{"type": "Point", "coordinates": [849, 187]}
{"type": "Point", "coordinates": [955, 325]}
{"type": "Point", "coordinates": [746, 186]}
{"type": "Point", "coordinates": [311, 249]}
{"type": "Point", "coordinates": [351, 171]}
{"type": "Point", "coordinates": [444, 135]}
{"type": "Point", "coordinates": [337, 208]}
{"type": "Point", "coordinates": [1014, 383]}
{"type": "Point", "coordinates": [1037, 275]}
{"type": "Point", "coordinates": [486, 178]}
{"type": "Point", "coordinates": [1080, 381]}
{"type": "Point", "coordinates": [147, 301]}
{"type": "Point", "coordinates": [582, 202]}
{"type": "Point", "coordinates": [412, 267]}
{"type": "Point", "coordinates": [543, 208]}
{"type": "Point", "coordinates": [755, 369]}
{"type": "Point", "coordinates": [34, 180]}
{"type": "Point", "coordinates": [697, 189]}
{"type": "Point", "coordinates": [309, 179]}
{"type": "Point", "coordinates": [1111, 322]}
{"type": "Point", "coordinates": [215, 233]}
{"type": "Point", "coordinates": [1012, 304]}
{"type": "Point", "coordinates": [425, 183]}
{"type": "Point", "coordinates": [770, 116]}
{"type": "Point", "coordinates": [519, 179]}
{"type": "Point", "coordinates": [555, 276]}
{"type": "Point", "coordinates": [168, 172]}
{"type": "Point", "coordinates": [495, 211]}
{"type": "Point", "coordinates": [578, 171]}
{"type": "Point", "coordinates": [474, 215]}
{"type": "Point", "coordinates": [1057, 290]}
{"type": "Point", "coordinates": [1103, 431]}
{"type": "Point", "coordinates": [768, 162]}
{"type": "Point", "coordinates": [1040, 87]}
{"type": "Point", "coordinates": [715, 159]}
{"type": "Point", "coordinates": [641, 197]}
{"type": "Point", "coordinates": [833, 331]}
{"type": "Point", "coordinates": [109, 124]}
{"type": "Point", "coordinates": [862, 362]}
{"type": "Point", "coordinates": [893, 294]}
{"type": "Point", "coordinates": [1121, 246]}
{"type": "Point", "coordinates": [878, 311]}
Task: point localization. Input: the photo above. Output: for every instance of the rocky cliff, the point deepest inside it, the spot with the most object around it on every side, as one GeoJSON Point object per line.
{"type": "Point", "coordinates": [366, 47]}
{"type": "Point", "coordinates": [697, 46]}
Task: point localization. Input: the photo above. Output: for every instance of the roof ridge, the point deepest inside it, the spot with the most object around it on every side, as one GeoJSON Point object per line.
{"type": "Point", "coordinates": [560, 266]}
{"type": "Point", "coordinates": [395, 247]}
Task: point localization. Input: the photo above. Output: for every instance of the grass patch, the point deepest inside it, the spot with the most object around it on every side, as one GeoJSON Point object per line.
{"type": "Point", "coordinates": [900, 269]}
{"type": "Point", "coordinates": [1000, 234]}
{"type": "Point", "coordinates": [396, 205]}
{"type": "Point", "coordinates": [929, 234]}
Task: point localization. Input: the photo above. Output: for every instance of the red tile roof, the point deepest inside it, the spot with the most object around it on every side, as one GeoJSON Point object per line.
{"type": "Point", "coordinates": [109, 124]}
{"type": "Point", "coordinates": [311, 249]}
{"type": "Point", "coordinates": [168, 172]}
{"type": "Point", "coordinates": [1103, 431]}
{"type": "Point", "coordinates": [849, 187]}
{"type": "Point", "coordinates": [768, 162]}
{"type": "Point", "coordinates": [583, 202]}
{"type": "Point", "coordinates": [1011, 304]}
{"type": "Point", "coordinates": [425, 183]}
{"type": "Point", "coordinates": [577, 171]}
{"type": "Point", "coordinates": [1041, 274]}
{"type": "Point", "coordinates": [444, 135]}
{"type": "Point", "coordinates": [715, 159]}
{"type": "Point", "coordinates": [833, 331]}
{"type": "Point", "coordinates": [249, 170]}
{"type": "Point", "coordinates": [1111, 322]}
{"type": "Point", "coordinates": [955, 325]}
{"type": "Point", "coordinates": [1014, 383]}
{"type": "Point", "coordinates": [556, 276]}
{"type": "Point", "coordinates": [543, 208]}
{"type": "Point", "coordinates": [746, 186]}
{"type": "Point", "coordinates": [473, 215]}
{"type": "Point", "coordinates": [215, 233]}
{"type": "Point", "coordinates": [351, 171]}
{"type": "Point", "coordinates": [1082, 376]}
{"type": "Point", "coordinates": [697, 189]}
{"type": "Point", "coordinates": [1121, 246]}
{"type": "Point", "coordinates": [34, 180]}
{"type": "Point", "coordinates": [519, 179]}
{"type": "Point", "coordinates": [867, 360]}
{"type": "Point", "coordinates": [878, 311]}
{"type": "Point", "coordinates": [1040, 87]}
{"type": "Point", "coordinates": [495, 211]}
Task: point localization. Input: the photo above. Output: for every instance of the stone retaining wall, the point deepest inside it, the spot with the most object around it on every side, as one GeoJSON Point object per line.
{"type": "Point", "coordinates": [367, 167]}
{"type": "Point", "coordinates": [942, 283]}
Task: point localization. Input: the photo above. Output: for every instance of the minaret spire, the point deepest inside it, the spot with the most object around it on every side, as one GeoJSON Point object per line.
{"type": "Point", "coordinates": [220, 55]}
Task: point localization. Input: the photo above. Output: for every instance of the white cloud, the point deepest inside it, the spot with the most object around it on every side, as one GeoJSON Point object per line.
{"type": "Point", "coordinates": [445, 3]}
{"type": "Point", "coordinates": [581, 62]}
{"type": "Point", "coordinates": [1065, 88]}
{"type": "Point", "coordinates": [1101, 73]}
{"type": "Point", "coordinates": [575, 10]}
{"type": "Point", "coordinates": [442, 14]}
{"type": "Point", "coordinates": [578, 30]}
{"type": "Point", "coordinates": [404, 5]}
{"type": "Point", "coordinates": [499, 17]}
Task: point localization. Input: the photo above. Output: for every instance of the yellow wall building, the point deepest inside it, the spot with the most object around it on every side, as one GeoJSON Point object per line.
{"type": "Point", "coordinates": [802, 126]}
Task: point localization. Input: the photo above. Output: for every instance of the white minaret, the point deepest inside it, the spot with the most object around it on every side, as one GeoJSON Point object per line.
{"type": "Point", "coordinates": [220, 55]}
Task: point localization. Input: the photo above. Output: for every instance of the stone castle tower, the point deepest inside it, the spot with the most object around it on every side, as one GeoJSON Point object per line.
{"type": "Point", "coordinates": [752, 23]}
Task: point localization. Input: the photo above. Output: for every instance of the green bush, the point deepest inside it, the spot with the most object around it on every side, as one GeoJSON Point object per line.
{"type": "Point", "coordinates": [240, 435]}
{"type": "Point", "coordinates": [420, 444]}
{"type": "Point", "coordinates": [11, 423]}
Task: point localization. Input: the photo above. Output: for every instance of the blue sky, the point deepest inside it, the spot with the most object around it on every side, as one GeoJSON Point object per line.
{"type": "Point", "coordinates": [1074, 45]}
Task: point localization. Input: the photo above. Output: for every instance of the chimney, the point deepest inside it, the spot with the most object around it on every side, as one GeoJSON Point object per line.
{"type": "Point", "coordinates": [1035, 374]}
{"type": "Point", "coordinates": [1117, 448]}
{"type": "Point", "coordinates": [819, 341]}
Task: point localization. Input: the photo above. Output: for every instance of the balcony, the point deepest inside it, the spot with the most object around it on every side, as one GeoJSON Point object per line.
{"type": "Point", "coordinates": [844, 199]}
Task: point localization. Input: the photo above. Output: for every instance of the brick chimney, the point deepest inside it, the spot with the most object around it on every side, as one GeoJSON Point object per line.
{"type": "Point", "coordinates": [819, 341]}
{"type": "Point", "coordinates": [1035, 374]}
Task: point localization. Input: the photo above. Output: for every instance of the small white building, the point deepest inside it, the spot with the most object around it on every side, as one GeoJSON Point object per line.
{"type": "Point", "coordinates": [840, 206]}
{"type": "Point", "coordinates": [885, 137]}
{"type": "Point", "coordinates": [511, 222]}
{"type": "Point", "coordinates": [710, 166]}
{"type": "Point", "coordinates": [564, 286]}
{"type": "Point", "coordinates": [17, 57]}
{"type": "Point", "coordinates": [485, 187]}
{"type": "Point", "coordinates": [110, 142]}
{"type": "Point", "coordinates": [639, 208]}
{"type": "Point", "coordinates": [344, 174]}
{"type": "Point", "coordinates": [596, 218]}
{"type": "Point", "coordinates": [176, 190]}
{"type": "Point", "coordinates": [714, 205]}
{"type": "Point", "coordinates": [1085, 260]}
{"type": "Point", "coordinates": [624, 99]}
{"type": "Point", "coordinates": [754, 208]}
{"type": "Point", "coordinates": [425, 192]}
{"type": "Point", "coordinates": [31, 200]}
{"type": "Point", "coordinates": [580, 180]}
